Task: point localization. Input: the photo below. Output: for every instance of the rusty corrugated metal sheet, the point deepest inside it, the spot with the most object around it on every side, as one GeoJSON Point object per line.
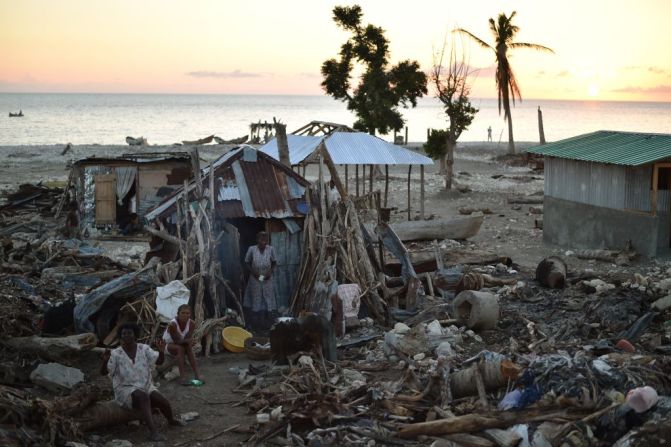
{"type": "Point", "coordinates": [254, 188]}
{"type": "Point", "coordinates": [269, 199]}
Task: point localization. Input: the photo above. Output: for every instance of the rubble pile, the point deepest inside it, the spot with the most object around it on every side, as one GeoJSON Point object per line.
{"type": "Point", "coordinates": [554, 369]}
{"type": "Point", "coordinates": [444, 344]}
{"type": "Point", "coordinates": [29, 199]}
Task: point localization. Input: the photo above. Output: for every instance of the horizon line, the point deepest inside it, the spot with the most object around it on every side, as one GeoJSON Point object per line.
{"type": "Point", "coordinates": [308, 95]}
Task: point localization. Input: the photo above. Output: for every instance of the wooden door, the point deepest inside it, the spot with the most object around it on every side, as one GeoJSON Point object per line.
{"type": "Point", "coordinates": [105, 188]}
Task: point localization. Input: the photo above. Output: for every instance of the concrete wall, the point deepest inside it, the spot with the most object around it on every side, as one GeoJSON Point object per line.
{"type": "Point", "coordinates": [578, 225]}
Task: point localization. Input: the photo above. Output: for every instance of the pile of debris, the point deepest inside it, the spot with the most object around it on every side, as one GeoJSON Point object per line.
{"type": "Point", "coordinates": [481, 352]}
{"type": "Point", "coordinates": [62, 299]}
{"type": "Point", "coordinates": [29, 199]}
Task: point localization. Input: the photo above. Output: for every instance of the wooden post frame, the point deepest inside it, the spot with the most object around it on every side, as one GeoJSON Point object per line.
{"type": "Point", "coordinates": [356, 174]}
{"type": "Point", "coordinates": [421, 191]}
{"type": "Point", "coordinates": [346, 179]}
{"type": "Point", "coordinates": [386, 184]}
{"type": "Point", "coordinates": [409, 173]}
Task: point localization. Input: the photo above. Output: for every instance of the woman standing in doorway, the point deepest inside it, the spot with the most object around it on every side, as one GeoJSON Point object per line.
{"type": "Point", "coordinates": [260, 302]}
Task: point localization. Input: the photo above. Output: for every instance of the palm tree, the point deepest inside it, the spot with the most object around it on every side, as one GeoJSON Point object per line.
{"type": "Point", "coordinates": [504, 32]}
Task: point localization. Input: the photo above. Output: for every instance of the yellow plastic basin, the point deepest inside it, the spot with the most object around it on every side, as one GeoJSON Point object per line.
{"type": "Point", "coordinates": [233, 338]}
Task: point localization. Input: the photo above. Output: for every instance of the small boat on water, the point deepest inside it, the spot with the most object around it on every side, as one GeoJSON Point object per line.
{"type": "Point", "coordinates": [18, 114]}
{"type": "Point", "coordinates": [142, 141]}
{"type": "Point", "coordinates": [206, 140]}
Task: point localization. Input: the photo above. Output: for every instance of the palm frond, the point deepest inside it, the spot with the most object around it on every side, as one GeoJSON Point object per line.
{"type": "Point", "coordinates": [493, 28]}
{"type": "Point", "coordinates": [479, 41]}
{"type": "Point", "coordinates": [532, 46]}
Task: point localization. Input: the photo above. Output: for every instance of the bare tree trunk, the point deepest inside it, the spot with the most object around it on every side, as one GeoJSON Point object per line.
{"type": "Point", "coordinates": [443, 164]}
{"type": "Point", "coordinates": [511, 140]}
{"type": "Point", "coordinates": [449, 164]}
{"type": "Point", "coordinates": [541, 132]}
{"type": "Point", "coordinates": [282, 143]}
{"type": "Point", "coordinates": [508, 116]}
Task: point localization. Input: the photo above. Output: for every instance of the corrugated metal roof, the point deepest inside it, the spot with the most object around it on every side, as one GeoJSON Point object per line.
{"type": "Point", "coordinates": [256, 185]}
{"type": "Point", "coordinates": [300, 147]}
{"type": "Point", "coordinates": [364, 149]}
{"type": "Point", "coordinates": [348, 148]}
{"type": "Point", "coordinates": [140, 158]}
{"type": "Point", "coordinates": [607, 146]}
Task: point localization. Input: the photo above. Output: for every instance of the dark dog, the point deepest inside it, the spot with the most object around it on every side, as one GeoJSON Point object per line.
{"type": "Point", "coordinates": [306, 333]}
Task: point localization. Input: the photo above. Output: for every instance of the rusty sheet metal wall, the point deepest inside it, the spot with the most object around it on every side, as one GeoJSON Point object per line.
{"type": "Point", "coordinates": [595, 184]}
{"type": "Point", "coordinates": [288, 252]}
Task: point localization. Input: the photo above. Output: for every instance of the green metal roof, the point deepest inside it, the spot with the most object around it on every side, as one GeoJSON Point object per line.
{"type": "Point", "coordinates": [607, 146]}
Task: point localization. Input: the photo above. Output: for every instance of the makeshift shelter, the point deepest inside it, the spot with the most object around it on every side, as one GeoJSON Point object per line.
{"type": "Point", "coordinates": [109, 190]}
{"type": "Point", "coordinates": [606, 188]}
{"type": "Point", "coordinates": [251, 192]}
{"type": "Point", "coordinates": [348, 147]}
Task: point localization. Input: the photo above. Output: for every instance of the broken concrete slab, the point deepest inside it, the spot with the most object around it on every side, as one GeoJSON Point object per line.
{"type": "Point", "coordinates": [56, 377]}
{"type": "Point", "coordinates": [662, 304]}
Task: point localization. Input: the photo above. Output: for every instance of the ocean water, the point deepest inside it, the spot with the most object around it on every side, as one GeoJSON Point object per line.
{"type": "Point", "coordinates": [166, 119]}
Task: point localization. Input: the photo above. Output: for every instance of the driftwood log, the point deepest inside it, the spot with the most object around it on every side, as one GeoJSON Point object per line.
{"type": "Point", "coordinates": [473, 423]}
{"type": "Point", "coordinates": [427, 230]}
{"type": "Point", "coordinates": [53, 348]}
{"type": "Point", "coordinates": [105, 414]}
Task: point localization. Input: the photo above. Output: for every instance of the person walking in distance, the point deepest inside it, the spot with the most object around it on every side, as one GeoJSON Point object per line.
{"type": "Point", "coordinates": [489, 133]}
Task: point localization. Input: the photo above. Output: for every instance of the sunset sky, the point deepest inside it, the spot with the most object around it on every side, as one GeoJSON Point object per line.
{"type": "Point", "coordinates": [611, 50]}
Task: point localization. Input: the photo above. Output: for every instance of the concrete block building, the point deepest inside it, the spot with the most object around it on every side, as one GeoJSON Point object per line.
{"type": "Point", "coordinates": [605, 188]}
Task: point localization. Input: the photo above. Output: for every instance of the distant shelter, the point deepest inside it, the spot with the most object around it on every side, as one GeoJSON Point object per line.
{"type": "Point", "coordinates": [607, 188]}
{"type": "Point", "coordinates": [350, 148]}
{"type": "Point", "coordinates": [109, 190]}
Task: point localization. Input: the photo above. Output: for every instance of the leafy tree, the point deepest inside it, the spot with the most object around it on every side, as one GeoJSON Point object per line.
{"type": "Point", "coordinates": [451, 81]}
{"type": "Point", "coordinates": [381, 88]}
{"type": "Point", "coordinates": [504, 33]}
{"type": "Point", "coordinates": [436, 145]}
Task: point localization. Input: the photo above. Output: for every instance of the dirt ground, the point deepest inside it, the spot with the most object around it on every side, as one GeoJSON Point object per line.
{"type": "Point", "coordinates": [214, 402]}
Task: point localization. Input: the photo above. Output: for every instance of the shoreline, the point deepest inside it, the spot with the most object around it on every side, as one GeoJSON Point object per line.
{"type": "Point", "coordinates": [35, 163]}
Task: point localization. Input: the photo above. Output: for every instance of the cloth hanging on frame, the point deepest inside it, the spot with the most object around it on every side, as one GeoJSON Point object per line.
{"type": "Point", "coordinates": [125, 177]}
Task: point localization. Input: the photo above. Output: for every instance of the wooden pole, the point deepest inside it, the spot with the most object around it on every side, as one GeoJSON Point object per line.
{"type": "Point", "coordinates": [386, 184]}
{"type": "Point", "coordinates": [282, 142]}
{"type": "Point", "coordinates": [333, 172]}
{"type": "Point", "coordinates": [363, 180]}
{"type": "Point", "coordinates": [356, 173]}
{"type": "Point", "coordinates": [370, 176]}
{"type": "Point", "coordinates": [655, 180]}
{"type": "Point", "coordinates": [421, 191]}
{"type": "Point", "coordinates": [380, 245]}
{"type": "Point", "coordinates": [541, 132]}
{"type": "Point", "coordinates": [406, 134]}
{"type": "Point", "coordinates": [346, 179]}
{"type": "Point", "coordinates": [409, 172]}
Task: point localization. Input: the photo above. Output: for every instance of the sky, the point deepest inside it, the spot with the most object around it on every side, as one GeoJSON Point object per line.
{"type": "Point", "coordinates": [606, 50]}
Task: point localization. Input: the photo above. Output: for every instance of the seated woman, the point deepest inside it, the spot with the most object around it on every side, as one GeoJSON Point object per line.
{"type": "Point", "coordinates": [179, 339]}
{"type": "Point", "coordinates": [133, 226]}
{"type": "Point", "coordinates": [130, 365]}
